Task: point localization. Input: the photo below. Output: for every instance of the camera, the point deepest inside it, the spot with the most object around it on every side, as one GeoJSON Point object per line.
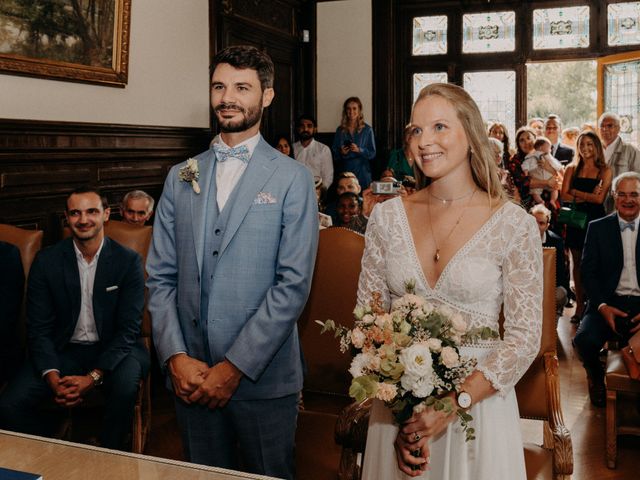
{"type": "Point", "coordinates": [347, 143]}
{"type": "Point", "coordinates": [386, 188]}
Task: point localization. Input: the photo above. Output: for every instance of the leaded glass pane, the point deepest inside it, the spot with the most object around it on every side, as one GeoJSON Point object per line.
{"type": "Point", "coordinates": [622, 96]}
{"type": "Point", "coordinates": [489, 32]}
{"type": "Point", "coordinates": [566, 27]}
{"type": "Point", "coordinates": [623, 21]}
{"type": "Point", "coordinates": [495, 94]}
{"type": "Point", "coordinates": [421, 80]}
{"type": "Point", "coordinates": [430, 35]}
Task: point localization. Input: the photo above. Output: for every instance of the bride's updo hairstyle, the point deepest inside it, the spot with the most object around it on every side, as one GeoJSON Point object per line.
{"type": "Point", "coordinates": [481, 158]}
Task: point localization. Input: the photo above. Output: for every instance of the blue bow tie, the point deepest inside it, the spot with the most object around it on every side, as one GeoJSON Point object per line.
{"type": "Point", "coordinates": [224, 153]}
{"type": "Point", "coordinates": [625, 225]}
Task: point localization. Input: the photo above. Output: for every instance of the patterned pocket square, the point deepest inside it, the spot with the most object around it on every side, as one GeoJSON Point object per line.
{"type": "Point", "coordinates": [264, 198]}
{"type": "Point", "coordinates": [112, 288]}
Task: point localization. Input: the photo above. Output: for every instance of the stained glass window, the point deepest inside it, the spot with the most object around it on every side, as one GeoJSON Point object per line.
{"type": "Point", "coordinates": [623, 21]}
{"type": "Point", "coordinates": [622, 96]}
{"type": "Point", "coordinates": [489, 32]}
{"type": "Point", "coordinates": [421, 80]}
{"type": "Point", "coordinates": [430, 35]}
{"type": "Point", "coordinates": [566, 27]}
{"type": "Point", "coordinates": [495, 94]}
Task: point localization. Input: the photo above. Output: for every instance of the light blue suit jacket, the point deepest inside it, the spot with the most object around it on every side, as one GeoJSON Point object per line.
{"type": "Point", "coordinates": [262, 277]}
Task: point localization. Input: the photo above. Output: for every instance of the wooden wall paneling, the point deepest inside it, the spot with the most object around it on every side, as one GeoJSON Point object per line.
{"type": "Point", "coordinates": [41, 162]}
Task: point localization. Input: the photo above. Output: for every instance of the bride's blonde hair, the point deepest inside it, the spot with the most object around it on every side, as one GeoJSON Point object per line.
{"type": "Point", "coordinates": [481, 159]}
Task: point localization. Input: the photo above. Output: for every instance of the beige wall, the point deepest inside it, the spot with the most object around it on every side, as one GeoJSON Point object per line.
{"type": "Point", "coordinates": [168, 76]}
{"type": "Point", "coordinates": [345, 59]}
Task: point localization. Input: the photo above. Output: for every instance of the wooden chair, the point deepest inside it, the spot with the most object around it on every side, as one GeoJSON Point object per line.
{"type": "Point", "coordinates": [137, 238]}
{"type": "Point", "coordinates": [325, 394]}
{"type": "Point", "coordinates": [619, 421]}
{"type": "Point", "coordinates": [538, 393]}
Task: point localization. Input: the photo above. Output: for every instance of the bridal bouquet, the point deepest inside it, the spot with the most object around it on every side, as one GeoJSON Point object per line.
{"type": "Point", "coordinates": [409, 357]}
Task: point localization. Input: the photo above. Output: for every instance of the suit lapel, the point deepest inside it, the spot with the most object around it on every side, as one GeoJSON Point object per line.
{"type": "Point", "coordinates": [72, 280]}
{"type": "Point", "coordinates": [101, 282]}
{"type": "Point", "coordinates": [258, 172]}
{"type": "Point", "coordinates": [200, 202]}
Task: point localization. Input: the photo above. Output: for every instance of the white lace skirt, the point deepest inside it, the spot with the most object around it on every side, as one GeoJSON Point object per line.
{"type": "Point", "coordinates": [495, 454]}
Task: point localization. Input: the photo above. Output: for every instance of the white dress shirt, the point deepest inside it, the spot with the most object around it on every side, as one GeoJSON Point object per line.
{"type": "Point", "coordinates": [86, 331]}
{"type": "Point", "coordinates": [628, 284]}
{"type": "Point", "coordinates": [316, 157]}
{"type": "Point", "coordinates": [229, 172]}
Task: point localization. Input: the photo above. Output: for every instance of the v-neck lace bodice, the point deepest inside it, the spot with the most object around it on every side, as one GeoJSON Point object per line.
{"type": "Point", "coordinates": [500, 264]}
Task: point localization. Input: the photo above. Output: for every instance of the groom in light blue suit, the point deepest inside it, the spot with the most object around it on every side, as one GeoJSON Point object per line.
{"type": "Point", "coordinates": [230, 269]}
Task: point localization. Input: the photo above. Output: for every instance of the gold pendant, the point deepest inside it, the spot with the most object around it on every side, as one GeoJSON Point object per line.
{"type": "Point", "coordinates": [436, 257]}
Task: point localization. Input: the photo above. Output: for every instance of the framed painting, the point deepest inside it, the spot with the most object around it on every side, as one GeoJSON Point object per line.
{"type": "Point", "coordinates": [74, 40]}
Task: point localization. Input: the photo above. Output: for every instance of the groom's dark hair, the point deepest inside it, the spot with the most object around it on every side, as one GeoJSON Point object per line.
{"type": "Point", "coordinates": [246, 56]}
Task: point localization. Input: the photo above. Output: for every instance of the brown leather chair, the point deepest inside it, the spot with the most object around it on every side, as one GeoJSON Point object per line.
{"type": "Point", "coordinates": [325, 394]}
{"type": "Point", "coordinates": [619, 421]}
{"type": "Point", "coordinates": [28, 241]}
{"type": "Point", "coordinates": [538, 393]}
{"type": "Point", "coordinates": [137, 238]}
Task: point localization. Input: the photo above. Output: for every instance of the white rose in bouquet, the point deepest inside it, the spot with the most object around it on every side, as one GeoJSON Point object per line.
{"type": "Point", "coordinates": [449, 357]}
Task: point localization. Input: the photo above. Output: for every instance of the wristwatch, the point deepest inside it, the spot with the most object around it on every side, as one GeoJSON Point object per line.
{"type": "Point", "coordinates": [464, 400]}
{"type": "Point", "coordinates": [96, 377]}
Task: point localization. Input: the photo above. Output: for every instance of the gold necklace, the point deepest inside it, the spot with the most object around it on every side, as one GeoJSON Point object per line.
{"type": "Point", "coordinates": [451, 200]}
{"type": "Point", "coordinates": [436, 256]}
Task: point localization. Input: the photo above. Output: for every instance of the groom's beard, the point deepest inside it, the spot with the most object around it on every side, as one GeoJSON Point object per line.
{"type": "Point", "coordinates": [305, 135]}
{"type": "Point", "coordinates": [251, 116]}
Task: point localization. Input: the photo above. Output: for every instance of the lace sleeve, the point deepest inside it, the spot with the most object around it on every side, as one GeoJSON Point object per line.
{"type": "Point", "coordinates": [372, 276]}
{"type": "Point", "coordinates": [522, 287]}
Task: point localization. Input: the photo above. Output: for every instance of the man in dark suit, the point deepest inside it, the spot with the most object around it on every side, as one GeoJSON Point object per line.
{"type": "Point", "coordinates": [11, 293]}
{"type": "Point", "coordinates": [610, 277]}
{"type": "Point", "coordinates": [549, 239]}
{"type": "Point", "coordinates": [552, 130]}
{"type": "Point", "coordinates": [84, 306]}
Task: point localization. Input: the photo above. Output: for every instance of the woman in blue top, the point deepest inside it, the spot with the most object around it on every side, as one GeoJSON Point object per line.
{"type": "Point", "coordinates": [353, 145]}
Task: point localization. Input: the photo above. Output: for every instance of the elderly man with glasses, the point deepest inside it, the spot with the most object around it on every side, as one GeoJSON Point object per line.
{"type": "Point", "coordinates": [610, 277]}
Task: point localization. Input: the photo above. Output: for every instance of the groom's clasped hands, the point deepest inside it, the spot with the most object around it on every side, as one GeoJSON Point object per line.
{"type": "Point", "coordinates": [195, 382]}
{"type": "Point", "coordinates": [413, 437]}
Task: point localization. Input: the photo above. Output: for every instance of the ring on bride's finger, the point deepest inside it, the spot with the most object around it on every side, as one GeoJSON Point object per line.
{"type": "Point", "coordinates": [416, 436]}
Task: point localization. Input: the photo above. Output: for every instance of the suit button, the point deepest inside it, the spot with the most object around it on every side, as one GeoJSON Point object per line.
{"type": "Point", "coordinates": [215, 253]}
{"type": "Point", "coordinates": [217, 231]}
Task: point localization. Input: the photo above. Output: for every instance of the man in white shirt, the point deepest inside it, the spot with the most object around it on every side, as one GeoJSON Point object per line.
{"type": "Point", "coordinates": [610, 271]}
{"type": "Point", "coordinates": [230, 269]}
{"type": "Point", "coordinates": [314, 155]}
{"type": "Point", "coordinates": [84, 309]}
{"type": "Point", "coordinates": [620, 156]}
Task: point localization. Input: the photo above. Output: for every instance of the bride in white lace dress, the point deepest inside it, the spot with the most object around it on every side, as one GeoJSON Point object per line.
{"type": "Point", "coordinates": [469, 248]}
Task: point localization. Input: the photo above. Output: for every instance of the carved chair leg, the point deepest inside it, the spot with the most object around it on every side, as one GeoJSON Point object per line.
{"type": "Point", "coordinates": [611, 429]}
{"type": "Point", "coordinates": [547, 436]}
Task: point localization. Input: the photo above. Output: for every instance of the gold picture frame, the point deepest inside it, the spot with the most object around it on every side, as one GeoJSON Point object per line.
{"type": "Point", "coordinates": [73, 40]}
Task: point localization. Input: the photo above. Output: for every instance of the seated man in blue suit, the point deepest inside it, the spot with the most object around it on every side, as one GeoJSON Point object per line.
{"type": "Point", "coordinates": [84, 307]}
{"type": "Point", "coordinates": [11, 293]}
{"type": "Point", "coordinates": [230, 268]}
{"type": "Point", "coordinates": [610, 275]}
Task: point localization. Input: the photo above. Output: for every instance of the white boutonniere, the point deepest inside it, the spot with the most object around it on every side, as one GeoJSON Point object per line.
{"type": "Point", "coordinates": [190, 173]}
